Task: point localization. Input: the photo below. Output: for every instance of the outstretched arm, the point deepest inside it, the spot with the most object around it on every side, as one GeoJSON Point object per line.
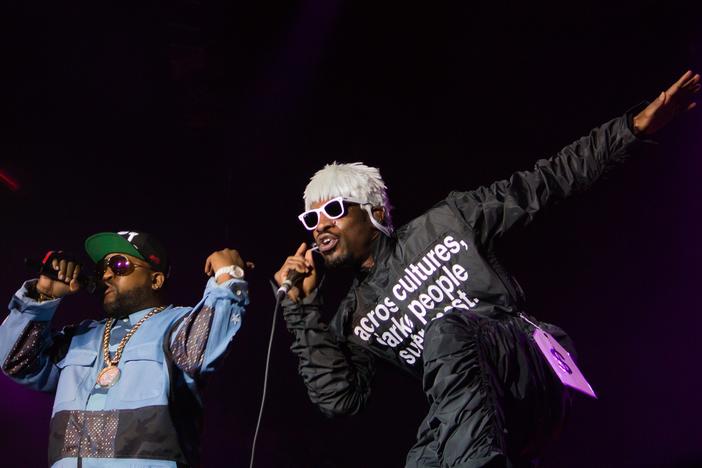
{"type": "Point", "coordinates": [493, 210]}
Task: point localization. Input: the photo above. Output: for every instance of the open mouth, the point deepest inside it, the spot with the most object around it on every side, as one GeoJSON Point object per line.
{"type": "Point", "coordinates": [326, 243]}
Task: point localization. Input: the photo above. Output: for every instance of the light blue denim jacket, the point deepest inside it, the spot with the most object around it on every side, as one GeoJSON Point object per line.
{"type": "Point", "coordinates": [151, 416]}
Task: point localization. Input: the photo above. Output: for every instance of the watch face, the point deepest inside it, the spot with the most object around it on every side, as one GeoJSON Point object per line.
{"type": "Point", "coordinates": [234, 271]}
{"type": "Point", "coordinates": [238, 272]}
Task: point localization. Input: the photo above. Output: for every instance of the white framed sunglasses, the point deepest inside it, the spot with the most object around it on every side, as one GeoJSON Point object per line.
{"type": "Point", "coordinates": [333, 209]}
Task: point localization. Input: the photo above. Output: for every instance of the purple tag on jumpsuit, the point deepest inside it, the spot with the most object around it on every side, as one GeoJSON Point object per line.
{"type": "Point", "coordinates": [562, 363]}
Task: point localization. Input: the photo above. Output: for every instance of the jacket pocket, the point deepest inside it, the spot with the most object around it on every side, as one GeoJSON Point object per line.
{"type": "Point", "coordinates": [75, 368]}
{"type": "Point", "coordinates": [143, 374]}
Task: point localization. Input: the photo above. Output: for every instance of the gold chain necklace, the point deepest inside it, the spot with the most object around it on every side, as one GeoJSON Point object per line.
{"type": "Point", "coordinates": [110, 374]}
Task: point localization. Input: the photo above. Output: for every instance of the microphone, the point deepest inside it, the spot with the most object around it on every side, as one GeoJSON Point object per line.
{"type": "Point", "coordinates": [86, 282]}
{"type": "Point", "coordinates": [293, 277]}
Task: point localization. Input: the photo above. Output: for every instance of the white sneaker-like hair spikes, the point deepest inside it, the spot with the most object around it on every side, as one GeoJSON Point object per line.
{"type": "Point", "coordinates": [355, 181]}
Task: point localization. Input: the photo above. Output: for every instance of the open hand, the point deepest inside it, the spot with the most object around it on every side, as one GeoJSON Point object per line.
{"type": "Point", "coordinates": [675, 100]}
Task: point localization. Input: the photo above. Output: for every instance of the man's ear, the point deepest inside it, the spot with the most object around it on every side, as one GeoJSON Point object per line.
{"type": "Point", "coordinates": [157, 280]}
{"type": "Point", "coordinates": [379, 214]}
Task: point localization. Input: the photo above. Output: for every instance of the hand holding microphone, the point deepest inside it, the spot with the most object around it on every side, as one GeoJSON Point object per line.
{"type": "Point", "coordinates": [298, 276]}
{"type": "Point", "coordinates": [60, 275]}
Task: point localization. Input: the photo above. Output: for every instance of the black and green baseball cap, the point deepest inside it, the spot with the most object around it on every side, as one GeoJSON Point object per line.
{"type": "Point", "coordinates": [137, 244]}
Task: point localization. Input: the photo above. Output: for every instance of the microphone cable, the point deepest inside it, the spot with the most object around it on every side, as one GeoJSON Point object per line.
{"type": "Point", "coordinates": [265, 380]}
{"type": "Point", "coordinates": [292, 277]}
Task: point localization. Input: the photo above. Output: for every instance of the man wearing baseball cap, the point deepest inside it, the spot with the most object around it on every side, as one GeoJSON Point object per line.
{"type": "Point", "coordinates": [127, 388]}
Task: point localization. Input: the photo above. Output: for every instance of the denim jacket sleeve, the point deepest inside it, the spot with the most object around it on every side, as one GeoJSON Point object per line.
{"type": "Point", "coordinates": [203, 335]}
{"type": "Point", "coordinates": [29, 350]}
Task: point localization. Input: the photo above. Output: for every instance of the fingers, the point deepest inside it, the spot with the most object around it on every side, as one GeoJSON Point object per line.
{"type": "Point", "coordinates": [692, 82]}
{"type": "Point", "coordinates": [62, 269]}
{"type": "Point", "coordinates": [669, 104]}
{"type": "Point", "coordinates": [309, 259]}
{"type": "Point", "coordinates": [76, 272]}
{"type": "Point", "coordinates": [68, 274]}
{"type": "Point", "coordinates": [72, 278]}
{"type": "Point", "coordinates": [681, 81]}
{"type": "Point", "coordinates": [296, 263]}
{"type": "Point", "coordinates": [680, 95]}
{"type": "Point", "coordinates": [689, 83]}
{"type": "Point", "coordinates": [67, 271]}
{"type": "Point", "coordinates": [291, 263]}
{"type": "Point", "coordinates": [301, 250]}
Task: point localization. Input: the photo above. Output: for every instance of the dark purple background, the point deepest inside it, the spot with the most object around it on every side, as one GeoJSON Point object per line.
{"type": "Point", "coordinates": [201, 122]}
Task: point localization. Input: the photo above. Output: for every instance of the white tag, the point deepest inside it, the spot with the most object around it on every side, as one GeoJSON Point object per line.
{"type": "Point", "coordinates": [562, 363]}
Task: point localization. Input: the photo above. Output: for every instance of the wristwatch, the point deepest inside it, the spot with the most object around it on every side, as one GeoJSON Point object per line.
{"type": "Point", "coordinates": [235, 271]}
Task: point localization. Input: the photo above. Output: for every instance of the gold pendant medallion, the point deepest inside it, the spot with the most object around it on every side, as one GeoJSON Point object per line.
{"type": "Point", "coordinates": [108, 376]}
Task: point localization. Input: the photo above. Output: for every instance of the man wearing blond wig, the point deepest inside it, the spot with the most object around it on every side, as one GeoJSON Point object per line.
{"type": "Point", "coordinates": [432, 298]}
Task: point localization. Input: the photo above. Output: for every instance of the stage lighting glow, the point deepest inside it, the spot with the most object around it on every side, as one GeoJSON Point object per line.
{"type": "Point", "coordinates": [11, 183]}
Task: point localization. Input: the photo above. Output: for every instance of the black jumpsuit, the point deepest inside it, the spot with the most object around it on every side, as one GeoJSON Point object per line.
{"type": "Point", "coordinates": [438, 304]}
